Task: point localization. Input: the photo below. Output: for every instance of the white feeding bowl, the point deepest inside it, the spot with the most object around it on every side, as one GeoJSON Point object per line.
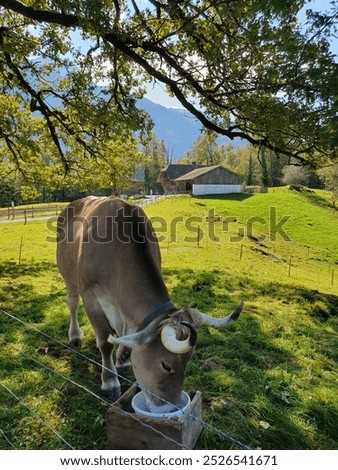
{"type": "Point", "coordinates": [140, 407]}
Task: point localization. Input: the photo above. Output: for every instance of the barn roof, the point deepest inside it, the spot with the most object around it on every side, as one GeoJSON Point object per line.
{"type": "Point", "coordinates": [197, 172]}
{"type": "Point", "coordinates": [174, 171]}
{"type": "Point", "coordinates": [201, 171]}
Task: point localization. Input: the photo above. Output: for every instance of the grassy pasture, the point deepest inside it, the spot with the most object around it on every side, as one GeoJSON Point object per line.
{"type": "Point", "coordinates": [269, 380]}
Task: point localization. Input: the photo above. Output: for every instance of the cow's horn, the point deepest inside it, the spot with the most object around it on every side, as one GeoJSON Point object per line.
{"type": "Point", "coordinates": [193, 332]}
{"type": "Point", "coordinates": [206, 320]}
{"type": "Point", "coordinates": [172, 344]}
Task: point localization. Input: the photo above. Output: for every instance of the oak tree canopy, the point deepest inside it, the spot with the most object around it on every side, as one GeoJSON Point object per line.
{"type": "Point", "coordinates": [71, 73]}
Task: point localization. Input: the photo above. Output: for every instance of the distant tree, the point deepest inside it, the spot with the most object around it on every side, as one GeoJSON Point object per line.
{"type": "Point", "coordinates": [8, 192]}
{"type": "Point", "coordinates": [330, 177]}
{"type": "Point", "coordinates": [295, 175]}
{"type": "Point", "coordinates": [277, 163]}
{"type": "Point", "coordinates": [29, 193]}
{"type": "Point", "coordinates": [250, 176]}
{"type": "Point", "coordinates": [169, 154]}
{"type": "Point", "coordinates": [315, 181]}
{"type": "Point", "coordinates": [264, 165]}
{"type": "Point", "coordinates": [204, 151]}
{"type": "Point", "coordinates": [237, 159]}
{"type": "Point", "coordinates": [155, 154]}
{"type": "Point", "coordinates": [9, 187]}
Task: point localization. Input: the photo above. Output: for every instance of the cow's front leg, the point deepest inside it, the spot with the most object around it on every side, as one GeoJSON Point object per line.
{"type": "Point", "coordinates": [110, 385]}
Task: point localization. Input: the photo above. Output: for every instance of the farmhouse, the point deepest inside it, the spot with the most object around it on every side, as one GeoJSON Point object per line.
{"type": "Point", "coordinates": [173, 171]}
{"type": "Point", "coordinates": [209, 180]}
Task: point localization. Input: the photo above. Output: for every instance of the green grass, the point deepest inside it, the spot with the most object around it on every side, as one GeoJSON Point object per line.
{"type": "Point", "coordinates": [269, 380]}
{"type": "Point", "coordinates": [311, 220]}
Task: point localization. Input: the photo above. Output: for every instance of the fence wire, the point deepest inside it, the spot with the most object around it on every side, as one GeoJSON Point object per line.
{"type": "Point", "coordinates": [37, 416]}
{"type": "Point", "coordinates": [7, 440]}
{"type": "Point", "coordinates": [101, 399]}
{"type": "Point", "coordinates": [83, 356]}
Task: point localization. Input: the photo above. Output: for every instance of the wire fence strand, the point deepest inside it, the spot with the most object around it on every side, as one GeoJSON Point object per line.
{"type": "Point", "coordinates": [37, 416]}
{"type": "Point", "coordinates": [83, 356]}
{"type": "Point", "coordinates": [101, 399]}
{"type": "Point", "coordinates": [7, 440]}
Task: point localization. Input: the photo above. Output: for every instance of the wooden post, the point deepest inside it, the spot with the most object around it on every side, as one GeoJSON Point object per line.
{"type": "Point", "coordinates": [25, 216]}
{"type": "Point", "coordinates": [289, 270]}
{"type": "Point", "coordinates": [20, 250]}
{"type": "Point", "coordinates": [9, 214]}
{"type": "Point", "coordinates": [241, 252]}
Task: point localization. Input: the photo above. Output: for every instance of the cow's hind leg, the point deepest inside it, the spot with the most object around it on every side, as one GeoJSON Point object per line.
{"type": "Point", "coordinates": [74, 331]}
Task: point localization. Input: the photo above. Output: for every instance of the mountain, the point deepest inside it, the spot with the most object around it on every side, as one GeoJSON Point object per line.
{"type": "Point", "coordinates": [177, 128]}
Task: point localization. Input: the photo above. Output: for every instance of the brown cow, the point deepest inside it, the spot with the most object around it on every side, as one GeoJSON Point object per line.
{"type": "Point", "coordinates": [109, 255]}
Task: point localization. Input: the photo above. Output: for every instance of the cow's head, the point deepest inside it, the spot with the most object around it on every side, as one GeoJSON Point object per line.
{"type": "Point", "coordinates": [161, 351]}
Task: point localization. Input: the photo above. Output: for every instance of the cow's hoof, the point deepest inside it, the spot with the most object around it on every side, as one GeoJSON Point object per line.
{"type": "Point", "coordinates": [75, 343]}
{"type": "Point", "coordinates": [111, 395]}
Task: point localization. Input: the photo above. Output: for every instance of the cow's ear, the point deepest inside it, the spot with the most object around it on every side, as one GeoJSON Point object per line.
{"type": "Point", "coordinates": [141, 337]}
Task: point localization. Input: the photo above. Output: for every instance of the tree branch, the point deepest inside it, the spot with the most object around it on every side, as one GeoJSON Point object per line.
{"type": "Point", "coordinates": [144, 46]}
{"type": "Point", "coordinates": [172, 84]}
{"type": "Point", "coordinates": [61, 19]}
{"type": "Point", "coordinates": [43, 108]}
{"type": "Point", "coordinates": [11, 147]}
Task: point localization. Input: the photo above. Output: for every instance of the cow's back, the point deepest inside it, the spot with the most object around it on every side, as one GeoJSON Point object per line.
{"type": "Point", "coordinates": [99, 236]}
{"type": "Point", "coordinates": [70, 229]}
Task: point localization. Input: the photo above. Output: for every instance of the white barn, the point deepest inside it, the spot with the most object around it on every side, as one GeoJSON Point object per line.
{"type": "Point", "coordinates": [210, 180]}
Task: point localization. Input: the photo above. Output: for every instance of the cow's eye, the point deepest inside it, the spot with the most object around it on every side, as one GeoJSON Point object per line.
{"type": "Point", "coordinates": [167, 368]}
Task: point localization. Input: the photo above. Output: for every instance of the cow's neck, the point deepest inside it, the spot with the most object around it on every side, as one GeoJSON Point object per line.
{"type": "Point", "coordinates": [161, 310]}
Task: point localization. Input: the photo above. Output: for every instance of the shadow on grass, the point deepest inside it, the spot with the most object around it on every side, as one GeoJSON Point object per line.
{"type": "Point", "coordinates": [317, 200]}
{"type": "Point", "coordinates": [22, 300]}
{"type": "Point", "coordinates": [15, 270]}
{"type": "Point", "coordinates": [252, 383]}
{"type": "Point", "coordinates": [82, 416]}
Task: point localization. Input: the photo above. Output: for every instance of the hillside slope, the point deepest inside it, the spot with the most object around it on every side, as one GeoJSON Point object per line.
{"type": "Point", "coordinates": [283, 233]}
